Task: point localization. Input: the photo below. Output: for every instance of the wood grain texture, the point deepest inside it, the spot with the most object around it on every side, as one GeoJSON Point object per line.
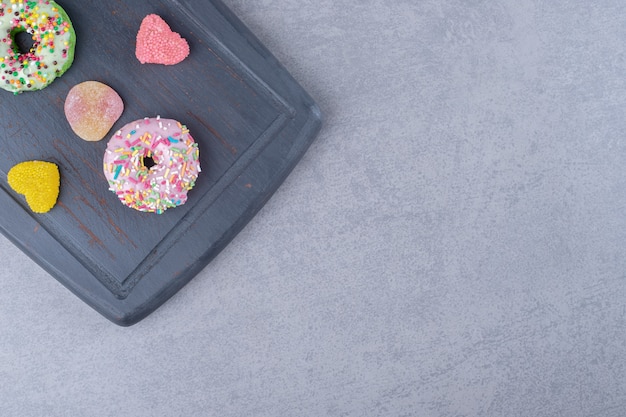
{"type": "Point", "coordinates": [252, 122]}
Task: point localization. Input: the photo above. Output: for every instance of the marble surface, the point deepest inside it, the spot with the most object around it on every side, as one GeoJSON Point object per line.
{"type": "Point", "coordinates": [451, 245]}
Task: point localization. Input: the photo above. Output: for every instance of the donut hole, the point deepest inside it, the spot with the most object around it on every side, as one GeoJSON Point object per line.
{"type": "Point", "coordinates": [23, 42]}
{"type": "Point", "coordinates": [148, 161]}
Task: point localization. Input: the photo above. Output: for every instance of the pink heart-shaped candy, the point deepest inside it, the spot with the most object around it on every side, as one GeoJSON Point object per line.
{"type": "Point", "coordinates": [157, 44]}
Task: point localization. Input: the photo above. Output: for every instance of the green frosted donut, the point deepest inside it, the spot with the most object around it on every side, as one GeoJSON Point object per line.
{"type": "Point", "coordinates": [52, 52]}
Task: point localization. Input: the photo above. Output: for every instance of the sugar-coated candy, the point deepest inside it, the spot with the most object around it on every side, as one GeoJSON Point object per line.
{"type": "Point", "coordinates": [158, 44]}
{"type": "Point", "coordinates": [92, 108]}
{"type": "Point", "coordinates": [38, 181]}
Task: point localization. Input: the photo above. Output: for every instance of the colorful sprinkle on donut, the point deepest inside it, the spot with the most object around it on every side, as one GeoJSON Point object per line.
{"type": "Point", "coordinates": [151, 164]}
{"type": "Point", "coordinates": [52, 52]}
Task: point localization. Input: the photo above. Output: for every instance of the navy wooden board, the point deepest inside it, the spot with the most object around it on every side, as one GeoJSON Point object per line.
{"type": "Point", "coordinates": [251, 119]}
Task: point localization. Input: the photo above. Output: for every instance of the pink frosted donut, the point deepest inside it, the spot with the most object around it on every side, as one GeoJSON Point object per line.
{"type": "Point", "coordinates": [151, 164]}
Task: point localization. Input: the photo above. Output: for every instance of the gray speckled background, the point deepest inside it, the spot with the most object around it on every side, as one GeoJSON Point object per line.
{"type": "Point", "coordinates": [453, 244]}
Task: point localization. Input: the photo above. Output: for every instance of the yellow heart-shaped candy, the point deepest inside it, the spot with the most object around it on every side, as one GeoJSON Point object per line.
{"type": "Point", "coordinates": [38, 181]}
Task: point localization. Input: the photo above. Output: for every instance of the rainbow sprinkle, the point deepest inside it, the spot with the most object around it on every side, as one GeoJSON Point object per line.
{"type": "Point", "coordinates": [164, 182]}
{"type": "Point", "coordinates": [52, 51]}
